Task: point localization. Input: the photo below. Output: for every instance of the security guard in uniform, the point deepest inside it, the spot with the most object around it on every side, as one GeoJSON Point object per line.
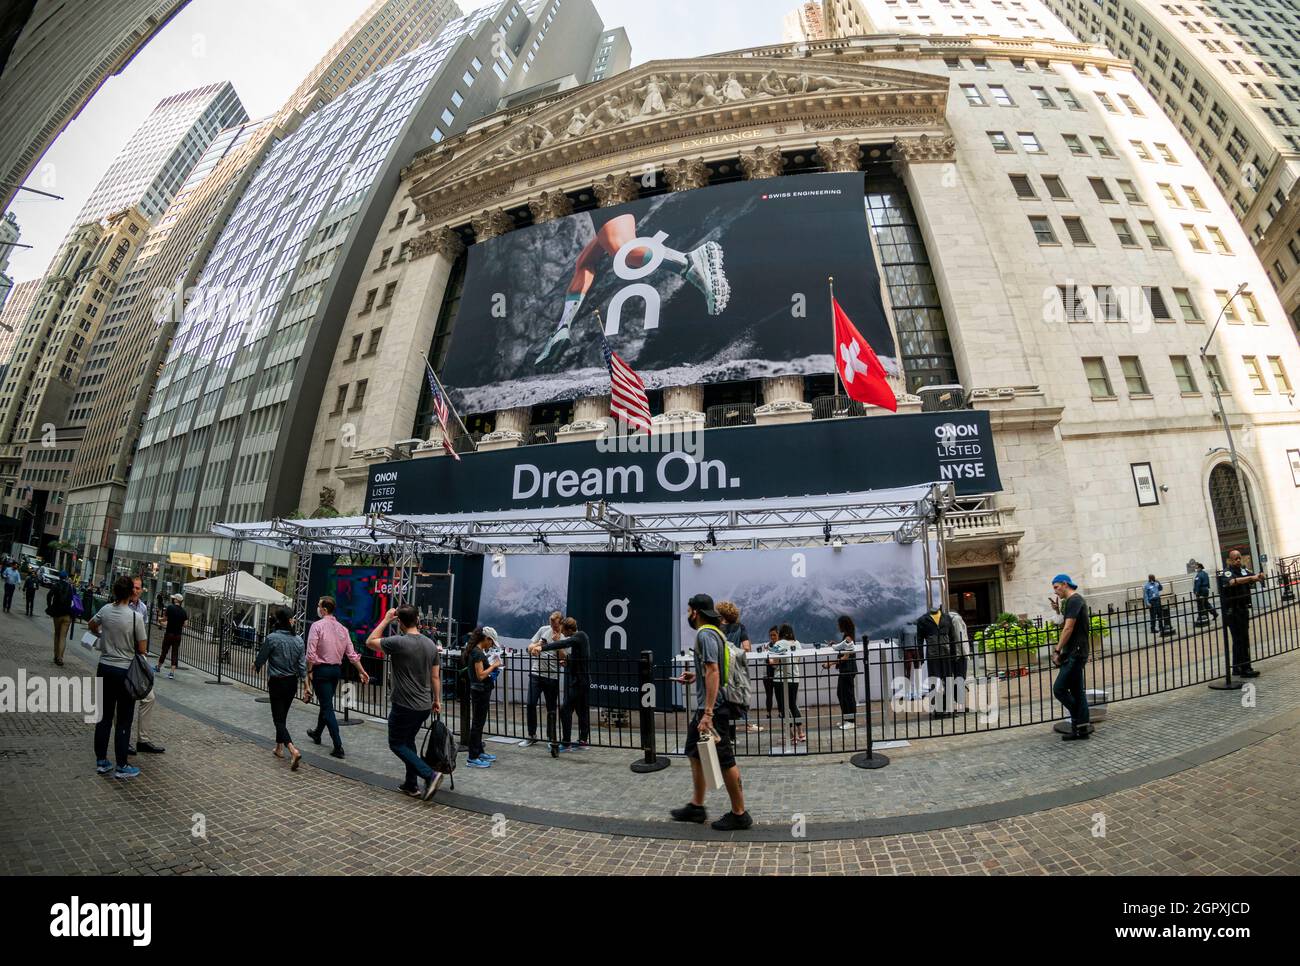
{"type": "Point", "coordinates": [1234, 589]}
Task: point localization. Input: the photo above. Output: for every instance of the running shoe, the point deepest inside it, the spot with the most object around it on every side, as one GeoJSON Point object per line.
{"type": "Point", "coordinates": [486, 757]}
{"type": "Point", "coordinates": [731, 822]}
{"type": "Point", "coordinates": [690, 812]}
{"type": "Point", "coordinates": [126, 771]}
{"type": "Point", "coordinates": [171, 675]}
{"type": "Point", "coordinates": [431, 785]}
{"type": "Point", "coordinates": [103, 766]}
{"type": "Point", "coordinates": [704, 271]}
{"type": "Point", "coordinates": [551, 351]}
{"type": "Point", "coordinates": [478, 763]}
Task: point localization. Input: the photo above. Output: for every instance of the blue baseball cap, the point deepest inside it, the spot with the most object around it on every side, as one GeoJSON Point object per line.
{"type": "Point", "coordinates": [63, 574]}
{"type": "Point", "coordinates": [1065, 579]}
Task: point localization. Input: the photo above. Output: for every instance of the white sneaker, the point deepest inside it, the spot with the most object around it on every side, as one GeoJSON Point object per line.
{"type": "Point", "coordinates": [171, 675]}
{"type": "Point", "coordinates": [552, 349]}
{"type": "Point", "coordinates": [704, 271]}
{"type": "Point", "coordinates": [848, 726]}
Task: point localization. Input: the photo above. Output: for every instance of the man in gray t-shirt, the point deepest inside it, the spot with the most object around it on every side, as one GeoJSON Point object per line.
{"type": "Point", "coordinates": [417, 689]}
{"type": "Point", "coordinates": [545, 679]}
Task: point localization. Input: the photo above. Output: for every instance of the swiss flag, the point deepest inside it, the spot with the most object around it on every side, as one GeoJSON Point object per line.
{"type": "Point", "coordinates": [860, 371]}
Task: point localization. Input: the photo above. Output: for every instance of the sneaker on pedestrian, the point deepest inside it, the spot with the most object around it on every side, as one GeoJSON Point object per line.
{"type": "Point", "coordinates": [690, 812]}
{"type": "Point", "coordinates": [527, 742]}
{"type": "Point", "coordinates": [478, 763]}
{"type": "Point", "coordinates": [171, 675]}
{"type": "Point", "coordinates": [431, 785]}
{"type": "Point", "coordinates": [337, 753]}
{"type": "Point", "coordinates": [413, 792]}
{"type": "Point", "coordinates": [848, 726]}
{"type": "Point", "coordinates": [157, 668]}
{"type": "Point", "coordinates": [731, 822]}
{"type": "Point", "coordinates": [486, 757]}
{"type": "Point", "coordinates": [313, 735]}
{"type": "Point", "coordinates": [103, 766]}
{"type": "Point", "coordinates": [126, 771]}
{"type": "Point", "coordinates": [149, 748]}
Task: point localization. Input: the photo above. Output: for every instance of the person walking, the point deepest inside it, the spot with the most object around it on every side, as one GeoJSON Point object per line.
{"type": "Point", "coordinates": [1151, 593]}
{"type": "Point", "coordinates": [577, 686]}
{"type": "Point", "coordinates": [1201, 587]}
{"type": "Point", "coordinates": [482, 679]}
{"type": "Point", "coordinates": [1235, 584]}
{"type": "Point", "coordinates": [58, 605]}
{"type": "Point", "coordinates": [846, 663]}
{"type": "Point", "coordinates": [417, 691]}
{"type": "Point", "coordinates": [545, 679]}
{"type": "Point", "coordinates": [1071, 656]}
{"type": "Point", "coordinates": [176, 616]}
{"type": "Point", "coordinates": [144, 712]}
{"type": "Point", "coordinates": [30, 586]}
{"type": "Point", "coordinates": [284, 655]}
{"type": "Point", "coordinates": [328, 643]}
{"type": "Point", "coordinates": [12, 579]}
{"type": "Point", "coordinates": [712, 716]}
{"type": "Point", "coordinates": [122, 636]}
{"type": "Point", "coordinates": [787, 673]}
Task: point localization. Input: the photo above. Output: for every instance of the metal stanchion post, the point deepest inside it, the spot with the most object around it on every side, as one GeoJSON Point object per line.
{"type": "Point", "coordinates": [651, 761]}
{"type": "Point", "coordinates": [1227, 684]}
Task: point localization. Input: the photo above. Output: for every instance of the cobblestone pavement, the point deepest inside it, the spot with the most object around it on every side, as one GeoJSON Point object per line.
{"type": "Point", "coordinates": [1238, 813]}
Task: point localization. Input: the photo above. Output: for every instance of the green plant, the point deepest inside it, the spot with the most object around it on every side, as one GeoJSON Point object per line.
{"type": "Point", "coordinates": [1010, 633]}
{"type": "Point", "coordinates": [1097, 625]}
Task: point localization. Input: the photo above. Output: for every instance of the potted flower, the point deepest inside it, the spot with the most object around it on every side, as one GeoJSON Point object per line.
{"type": "Point", "coordinates": [1097, 629]}
{"type": "Point", "coordinates": [1012, 642]}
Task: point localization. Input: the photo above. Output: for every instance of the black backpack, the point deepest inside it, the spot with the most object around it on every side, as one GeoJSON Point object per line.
{"type": "Point", "coordinates": [439, 751]}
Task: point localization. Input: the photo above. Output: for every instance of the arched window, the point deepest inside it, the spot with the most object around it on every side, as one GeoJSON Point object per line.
{"type": "Point", "coordinates": [1229, 514]}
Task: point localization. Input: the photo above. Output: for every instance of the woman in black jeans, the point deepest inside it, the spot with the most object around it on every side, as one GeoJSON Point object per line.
{"type": "Point", "coordinates": [285, 656]}
{"type": "Point", "coordinates": [846, 661]}
{"type": "Point", "coordinates": [481, 683]}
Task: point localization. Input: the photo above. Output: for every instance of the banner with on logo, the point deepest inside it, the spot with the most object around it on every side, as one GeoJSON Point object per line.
{"type": "Point", "coordinates": [626, 602]}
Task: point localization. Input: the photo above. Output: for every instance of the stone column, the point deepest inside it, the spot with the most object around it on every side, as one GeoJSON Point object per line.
{"type": "Point", "coordinates": [511, 425]}
{"type": "Point", "coordinates": [446, 245]}
{"type": "Point", "coordinates": [783, 402]}
{"type": "Point", "coordinates": [685, 174]}
{"type": "Point", "coordinates": [549, 206]}
{"type": "Point", "coordinates": [591, 420]}
{"type": "Point", "coordinates": [615, 190]}
{"type": "Point", "coordinates": [490, 224]}
{"type": "Point", "coordinates": [683, 410]}
{"type": "Point", "coordinates": [840, 154]}
{"type": "Point", "coordinates": [762, 162]}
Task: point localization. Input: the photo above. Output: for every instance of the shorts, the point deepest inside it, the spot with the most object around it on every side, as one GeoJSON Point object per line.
{"type": "Point", "coordinates": [722, 728]}
{"type": "Point", "coordinates": [600, 217]}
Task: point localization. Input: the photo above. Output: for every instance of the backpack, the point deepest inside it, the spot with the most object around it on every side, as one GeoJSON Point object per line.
{"type": "Point", "coordinates": [733, 677]}
{"type": "Point", "coordinates": [57, 598]}
{"type": "Point", "coordinates": [439, 751]}
{"type": "Point", "coordinates": [76, 606]}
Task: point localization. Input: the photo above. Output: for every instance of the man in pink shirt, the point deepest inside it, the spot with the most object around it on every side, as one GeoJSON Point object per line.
{"type": "Point", "coordinates": [328, 643]}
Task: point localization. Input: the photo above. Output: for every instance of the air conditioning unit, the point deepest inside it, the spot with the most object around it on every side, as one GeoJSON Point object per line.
{"type": "Point", "coordinates": [937, 399]}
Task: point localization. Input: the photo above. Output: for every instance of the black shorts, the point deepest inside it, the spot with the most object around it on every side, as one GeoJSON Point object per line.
{"type": "Point", "coordinates": [721, 727]}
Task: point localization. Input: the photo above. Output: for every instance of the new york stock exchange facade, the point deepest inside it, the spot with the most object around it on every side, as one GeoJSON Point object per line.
{"type": "Point", "coordinates": [1096, 447]}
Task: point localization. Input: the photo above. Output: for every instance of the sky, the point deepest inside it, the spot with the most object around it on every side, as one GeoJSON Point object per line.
{"type": "Point", "coordinates": [266, 47]}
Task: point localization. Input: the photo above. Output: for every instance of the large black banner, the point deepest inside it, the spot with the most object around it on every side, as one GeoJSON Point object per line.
{"type": "Point", "coordinates": [797, 459]}
{"type": "Point", "coordinates": [715, 285]}
{"type": "Point", "coordinates": [625, 604]}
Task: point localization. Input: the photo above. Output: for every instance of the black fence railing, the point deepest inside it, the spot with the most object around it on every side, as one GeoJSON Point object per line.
{"type": "Point", "coordinates": [808, 701]}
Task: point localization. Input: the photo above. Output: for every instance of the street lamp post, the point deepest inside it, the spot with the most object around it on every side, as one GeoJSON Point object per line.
{"type": "Point", "coordinates": [1227, 429]}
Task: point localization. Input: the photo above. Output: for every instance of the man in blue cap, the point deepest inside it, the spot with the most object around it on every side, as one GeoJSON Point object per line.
{"type": "Point", "coordinates": [1070, 655]}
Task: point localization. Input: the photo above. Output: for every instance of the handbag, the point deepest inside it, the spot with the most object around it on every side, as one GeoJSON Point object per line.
{"type": "Point", "coordinates": [709, 762]}
{"type": "Point", "coordinates": [89, 641]}
{"type": "Point", "coordinates": [139, 676]}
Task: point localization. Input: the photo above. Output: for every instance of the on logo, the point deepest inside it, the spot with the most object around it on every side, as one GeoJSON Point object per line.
{"type": "Point", "coordinates": [616, 614]}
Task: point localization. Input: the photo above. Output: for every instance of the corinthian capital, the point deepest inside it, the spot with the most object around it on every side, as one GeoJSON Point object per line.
{"type": "Point", "coordinates": [840, 154]}
{"type": "Point", "coordinates": [762, 162]}
{"type": "Point", "coordinates": [615, 190]}
{"type": "Point", "coordinates": [686, 173]}
{"type": "Point", "coordinates": [549, 206]}
{"type": "Point", "coordinates": [489, 224]}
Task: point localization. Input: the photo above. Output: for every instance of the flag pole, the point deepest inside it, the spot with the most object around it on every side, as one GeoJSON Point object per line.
{"type": "Point", "coordinates": [463, 428]}
{"type": "Point", "coordinates": [830, 282]}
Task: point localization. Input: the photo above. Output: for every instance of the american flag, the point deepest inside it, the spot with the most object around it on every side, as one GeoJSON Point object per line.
{"type": "Point", "coordinates": [627, 398]}
{"type": "Point", "coordinates": [440, 409]}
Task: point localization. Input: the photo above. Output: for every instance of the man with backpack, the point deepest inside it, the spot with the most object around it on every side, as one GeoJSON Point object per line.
{"type": "Point", "coordinates": [417, 690]}
{"type": "Point", "coordinates": [12, 579]}
{"type": "Point", "coordinates": [58, 605]}
{"type": "Point", "coordinates": [715, 668]}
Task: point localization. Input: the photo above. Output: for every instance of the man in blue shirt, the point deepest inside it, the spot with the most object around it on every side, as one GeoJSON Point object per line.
{"type": "Point", "coordinates": [12, 579]}
{"type": "Point", "coordinates": [1201, 587]}
{"type": "Point", "coordinates": [712, 715]}
{"type": "Point", "coordinates": [1151, 593]}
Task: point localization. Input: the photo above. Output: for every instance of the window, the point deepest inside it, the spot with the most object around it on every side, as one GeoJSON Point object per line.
{"type": "Point", "coordinates": [1044, 99]}
{"type": "Point", "coordinates": [1279, 375]}
{"type": "Point", "coordinates": [1020, 182]}
{"type": "Point", "coordinates": [1106, 102]}
{"type": "Point", "coordinates": [448, 118]}
{"type": "Point", "coordinates": [370, 301]}
{"type": "Point", "coordinates": [1000, 95]}
{"type": "Point", "coordinates": [401, 219]}
{"type": "Point", "coordinates": [1187, 305]}
{"type": "Point", "coordinates": [1170, 195]}
{"type": "Point", "coordinates": [1029, 142]}
{"type": "Point", "coordinates": [999, 141]}
{"type": "Point", "coordinates": [1141, 151]}
{"type": "Point", "coordinates": [389, 289]}
{"type": "Point", "coordinates": [1074, 144]}
{"type": "Point", "coordinates": [1194, 197]}
{"type": "Point", "coordinates": [1212, 370]}
{"type": "Point", "coordinates": [952, 63]}
{"type": "Point", "coordinates": [1103, 147]}
{"type": "Point", "coordinates": [1255, 374]}
{"type": "Point", "coordinates": [1075, 302]}
{"type": "Point", "coordinates": [1108, 307]}
{"type": "Point", "coordinates": [1067, 96]}
{"type": "Point", "coordinates": [1183, 374]}
{"type": "Point", "coordinates": [456, 99]}
{"type": "Point", "coordinates": [1123, 233]}
{"type": "Point", "coordinates": [340, 401]}
{"type": "Point", "coordinates": [1101, 189]}
{"type": "Point", "coordinates": [1077, 232]}
{"type": "Point", "coordinates": [973, 96]}
{"type": "Point", "coordinates": [1042, 229]}
{"type": "Point", "coordinates": [1130, 192]}
{"type": "Point", "coordinates": [1155, 300]}
{"type": "Point", "coordinates": [1228, 306]}
{"type": "Point", "coordinates": [383, 260]}
{"type": "Point", "coordinates": [468, 78]}
{"type": "Point", "coordinates": [1098, 379]}
{"type": "Point", "coordinates": [1154, 238]}
{"type": "Point", "coordinates": [373, 345]}
{"type": "Point", "coordinates": [1220, 243]}
{"type": "Point", "coordinates": [1166, 154]}
{"type": "Point", "coordinates": [1194, 238]}
{"type": "Point", "coordinates": [1131, 105]}
{"type": "Point", "coordinates": [359, 396]}
{"type": "Point", "coordinates": [1055, 187]}
{"type": "Point", "coordinates": [1251, 308]}
{"type": "Point", "coordinates": [356, 347]}
{"type": "Point", "coordinates": [1134, 381]}
{"type": "Point", "coordinates": [980, 63]}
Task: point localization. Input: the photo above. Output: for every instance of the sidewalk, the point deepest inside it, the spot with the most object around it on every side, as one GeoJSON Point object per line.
{"type": "Point", "coordinates": [931, 784]}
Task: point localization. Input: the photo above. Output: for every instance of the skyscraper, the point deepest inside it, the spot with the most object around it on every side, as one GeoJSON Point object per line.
{"type": "Point", "coordinates": [12, 317]}
{"type": "Point", "coordinates": [230, 425]}
{"type": "Point", "coordinates": [119, 382]}
{"type": "Point", "coordinates": [62, 56]}
{"type": "Point", "coordinates": [9, 232]}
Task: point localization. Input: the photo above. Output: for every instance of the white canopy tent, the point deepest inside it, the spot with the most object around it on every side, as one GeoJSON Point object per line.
{"type": "Point", "coordinates": [248, 598]}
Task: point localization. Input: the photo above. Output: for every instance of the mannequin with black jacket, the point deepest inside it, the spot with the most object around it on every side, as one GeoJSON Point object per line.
{"type": "Point", "coordinates": [938, 637]}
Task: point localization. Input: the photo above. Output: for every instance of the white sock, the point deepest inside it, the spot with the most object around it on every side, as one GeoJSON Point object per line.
{"type": "Point", "coordinates": [572, 302]}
